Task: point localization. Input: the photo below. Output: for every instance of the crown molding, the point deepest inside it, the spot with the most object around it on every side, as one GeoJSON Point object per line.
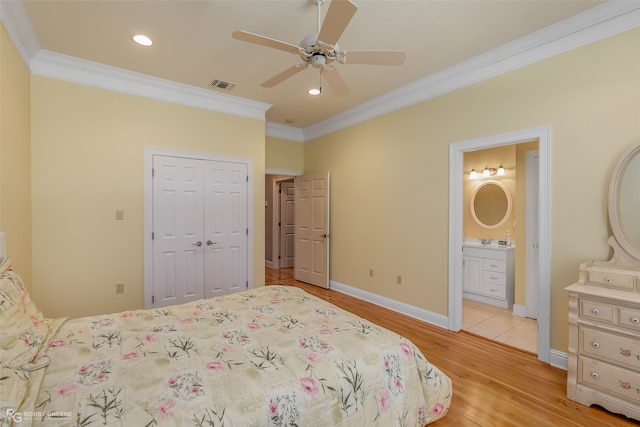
{"type": "Point", "coordinates": [277, 130]}
{"type": "Point", "coordinates": [16, 21]}
{"type": "Point", "coordinates": [600, 22]}
{"type": "Point", "coordinates": [62, 67]}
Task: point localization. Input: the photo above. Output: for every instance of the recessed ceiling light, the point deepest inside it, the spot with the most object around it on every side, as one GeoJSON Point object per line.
{"type": "Point", "coordinates": [314, 91]}
{"type": "Point", "coordinates": [143, 40]}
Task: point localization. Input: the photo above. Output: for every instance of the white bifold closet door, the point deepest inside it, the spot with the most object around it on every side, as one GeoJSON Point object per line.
{"type": "Point", "coordinates": [200, 230]}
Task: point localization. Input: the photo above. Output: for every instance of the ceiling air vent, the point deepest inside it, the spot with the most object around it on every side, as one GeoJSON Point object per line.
{"type": "Point", "coordinates": [221, 84]}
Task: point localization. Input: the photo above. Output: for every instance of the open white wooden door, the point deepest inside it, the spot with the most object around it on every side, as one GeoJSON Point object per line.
{"type": "Point", "coordinates": [311, 261]}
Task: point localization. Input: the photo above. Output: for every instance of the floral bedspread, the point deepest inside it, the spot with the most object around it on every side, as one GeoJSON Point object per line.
{"type": "Point", "coordinates": [272, 356]}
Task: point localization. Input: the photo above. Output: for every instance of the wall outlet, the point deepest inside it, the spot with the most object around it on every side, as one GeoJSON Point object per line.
{"type": "Point", "coordinates": [119, 288]}
{"type": "Point", "coordinates": [398, 279]}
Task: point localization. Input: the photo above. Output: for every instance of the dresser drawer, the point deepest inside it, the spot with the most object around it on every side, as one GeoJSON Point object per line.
{"type": "Point", "coordinates": [495, 265]}
{"type": "Point", "coordinates": [629, 317]}
{"type": "Point", "coordinates": [497, 291]}
{"type": "Point", "coordinates": [609, 378]}
{"type": "Point", "coordinates": [597, 311]}
{"type": "Point", "coordinates": [611, 347]}
{"type": "Point", "coordinates": [605, 278]}
{"type": "Point", "coordinates": [495, 278]}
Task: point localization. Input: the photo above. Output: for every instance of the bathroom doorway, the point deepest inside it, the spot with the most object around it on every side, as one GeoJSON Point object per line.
{"type": "Point", "coordinates": [456, 235]}
{"type": "Point", "coordinates": [494, 296]}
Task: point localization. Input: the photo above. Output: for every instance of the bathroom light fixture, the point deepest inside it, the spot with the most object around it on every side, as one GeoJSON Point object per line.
{"type": "Point", "coordinates": [487, 172]}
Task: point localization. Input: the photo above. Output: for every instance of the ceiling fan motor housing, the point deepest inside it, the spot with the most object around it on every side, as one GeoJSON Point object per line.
{"type": "Point", "coordinates": [318, 60]}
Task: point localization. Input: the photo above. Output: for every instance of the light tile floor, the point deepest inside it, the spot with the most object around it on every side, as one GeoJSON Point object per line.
{"type": "Point", "coordinates": [500, 324]}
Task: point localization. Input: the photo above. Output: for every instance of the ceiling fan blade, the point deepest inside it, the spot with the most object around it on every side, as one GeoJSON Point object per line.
{"type": "Point", "coordinates": [375, 57]}
{"type": "Point", "coordinates": [336, 82]}
{"type": "Point", "coordinates": [279, 78]}
{"type": "Point", "coordinates": [264, 41]}
{"type": "Point", "coordinates": [336, 20]}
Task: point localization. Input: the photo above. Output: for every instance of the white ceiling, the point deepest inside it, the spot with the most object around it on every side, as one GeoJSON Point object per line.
{"type": "Point", "coordinates": [193, 44]}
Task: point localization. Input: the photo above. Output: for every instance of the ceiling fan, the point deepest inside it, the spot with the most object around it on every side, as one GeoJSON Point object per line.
{"type": "Point", "coordinates": [320, 50]}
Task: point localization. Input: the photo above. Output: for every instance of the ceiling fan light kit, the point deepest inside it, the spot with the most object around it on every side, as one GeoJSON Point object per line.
{"type": "Point", "coordinates": [320, 50]}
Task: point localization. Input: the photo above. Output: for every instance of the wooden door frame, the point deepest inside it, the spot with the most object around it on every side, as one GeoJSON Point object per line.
{"type": "Point", "coordinates": [149, 152]}
{"type": "Point", "coordinates": [531, 282]}
{"type": "Point", "coordinates": [275, 230]}
{"type": "Point", "coordinates": [456, 174]}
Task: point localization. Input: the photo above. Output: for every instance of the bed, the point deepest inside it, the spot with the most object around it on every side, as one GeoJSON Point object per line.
{"type": "Point", "coordinates": [271, 356]}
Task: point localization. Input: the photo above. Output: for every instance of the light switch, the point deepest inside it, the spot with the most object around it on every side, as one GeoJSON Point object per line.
{"type": "Point", "coordinates": [119, 215]}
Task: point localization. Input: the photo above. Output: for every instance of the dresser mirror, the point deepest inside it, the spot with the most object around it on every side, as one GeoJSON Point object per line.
{"type": "Point", "coordinates": [624, 209]}
{"type": "Point", "coordinates": [491, 204]}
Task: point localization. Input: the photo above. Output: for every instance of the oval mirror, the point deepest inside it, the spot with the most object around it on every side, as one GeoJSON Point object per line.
{"type": "Point", "coordinates": [624, 202]}
{"type": "Point", "coordinates": [491, 204]}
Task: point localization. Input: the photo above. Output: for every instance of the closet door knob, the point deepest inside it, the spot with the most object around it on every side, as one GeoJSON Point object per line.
{"type": "Point", "coordinates": [198, 243]}
{"type": "Point", "coordinates": [210, 243]}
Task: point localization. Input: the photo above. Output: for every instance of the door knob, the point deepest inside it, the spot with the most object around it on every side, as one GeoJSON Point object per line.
{"type": "Point", "coordinates": [198, 243]}
{"type": "Point", "coordinates": [325, 235]}
{"type": "Point", "coordinates": [210, 243]}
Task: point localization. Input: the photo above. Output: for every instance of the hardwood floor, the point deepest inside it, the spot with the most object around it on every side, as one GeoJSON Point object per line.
{"type": "Point", "coordinates": [493, 384]}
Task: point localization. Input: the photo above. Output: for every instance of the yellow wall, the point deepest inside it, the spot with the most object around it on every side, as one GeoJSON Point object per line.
{"type": "Point", "coordinates": [389, 175]}
{"type": "Point", "coordinates": [15, 161]}
{"type": "Point", "coordinates": [87, 162]}
{"type": "Point", "coordinates": [283, 154]}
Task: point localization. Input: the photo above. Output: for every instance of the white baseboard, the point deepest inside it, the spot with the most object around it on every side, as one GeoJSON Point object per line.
{"type": "Point", "coordinates": [556, 358]}
{"type": "Point", "coordinates": [519, 310]}
{"type": "Point", "coordinates": [268, 264]}
{"type": "Point", "coordinates": [400, 307]}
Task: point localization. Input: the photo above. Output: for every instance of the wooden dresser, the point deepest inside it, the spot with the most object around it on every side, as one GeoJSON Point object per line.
{"type": "Point", "coordinates": [604, 339]}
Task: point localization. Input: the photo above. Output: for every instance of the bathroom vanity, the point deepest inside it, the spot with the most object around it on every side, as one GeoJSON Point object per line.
{"type": "Point", "coordinates": [488, 273]}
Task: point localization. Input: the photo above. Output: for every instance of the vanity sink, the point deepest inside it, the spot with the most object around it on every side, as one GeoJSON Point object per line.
{"type": "Point", "coordinates": [493, 245]}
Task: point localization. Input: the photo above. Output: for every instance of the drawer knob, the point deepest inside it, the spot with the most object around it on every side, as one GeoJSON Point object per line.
{"type": "Point", "coordinates": [595, 311]}
{"type": "Point", "coordinates": [635, 320]}
{"type": "Point", "coordinates": [607, 279]}
{"type": "Point", "coordinates": [595, 375]}
{"type": "Point", "coordinates": [596, 345]}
